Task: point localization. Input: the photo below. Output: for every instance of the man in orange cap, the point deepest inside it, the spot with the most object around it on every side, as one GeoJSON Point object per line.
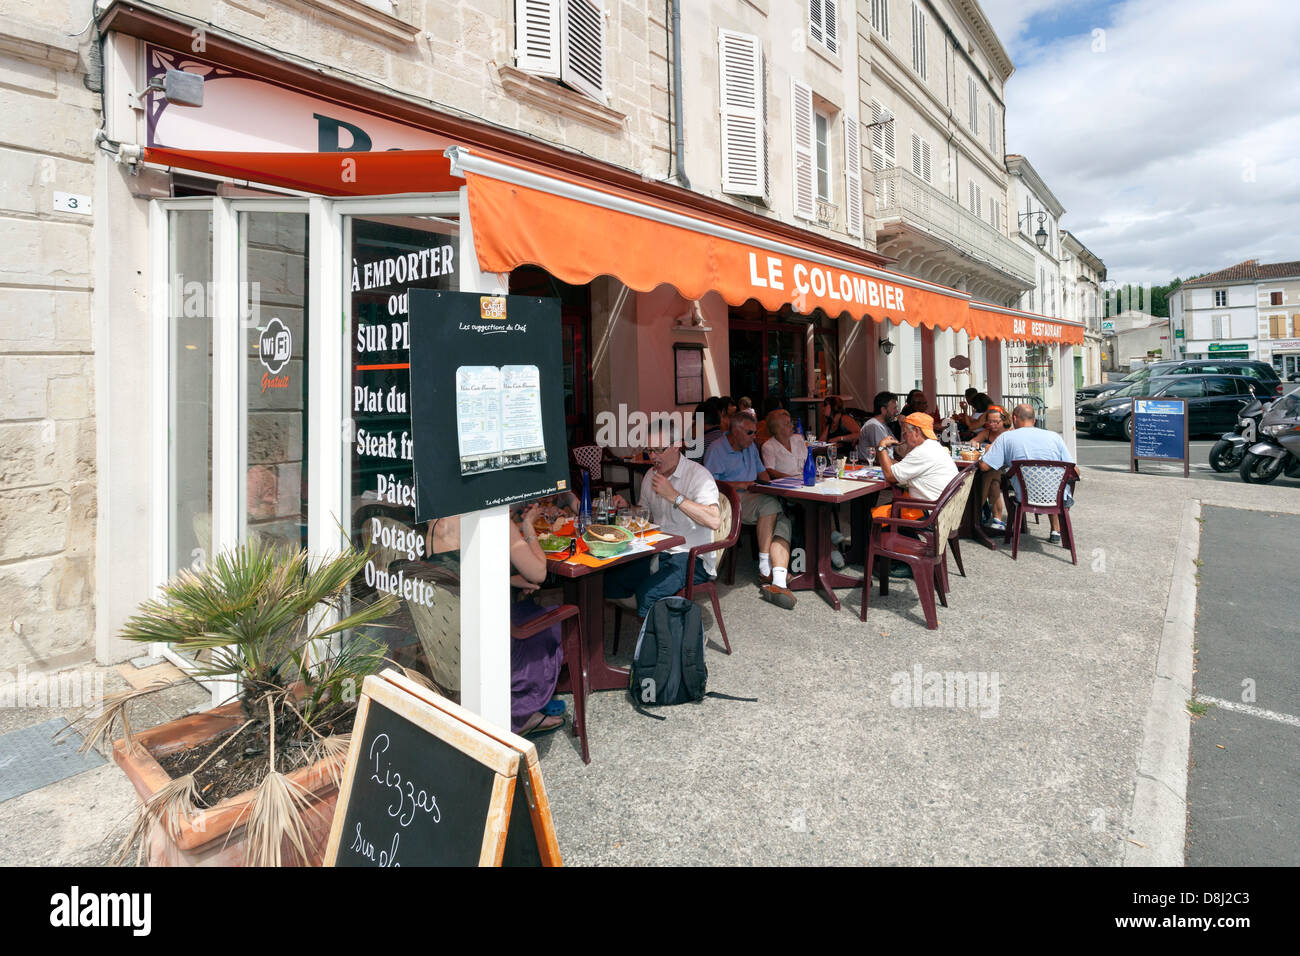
{"type": "Point", "coordinates": [926, 471]}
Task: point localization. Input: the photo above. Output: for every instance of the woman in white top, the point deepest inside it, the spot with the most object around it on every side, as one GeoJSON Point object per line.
{"type": "Point", "coordinates": [784, 453]}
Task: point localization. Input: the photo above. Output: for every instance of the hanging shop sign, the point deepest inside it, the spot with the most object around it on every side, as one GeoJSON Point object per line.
{"type": "Point", "coordinates": [488, 401]}
{"type": "Point", "coordinates": [427, 783]}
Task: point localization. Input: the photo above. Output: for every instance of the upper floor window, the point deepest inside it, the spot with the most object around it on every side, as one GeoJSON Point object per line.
{"type": "Point", "coordinates": [1220, 298]}
{"type": "Point", "coordinates": [880, 17]}
{"type": "Point", "coordinates": [883, 154]}
{"type": "Point", "coordinates": [973, 99]}
{"type": "Point", "coordinates": [824, 24]}
{"type": "Point", "coordinates": [822, 134]}
{"type": "Point", "coordinates": [993, 130]}
{"type": "Point", "coordinates": [1275, 298]}
{"type": "Point", "coordinates": [563, 40]}
{"type": "Point", "coordinates": [920, 158]}
{"type": "Point", "coordinates": [918, 40]}
{"type": "Point", "coordinates": [976, 197]}
{"type": "Point", "coordinates": [743, 114]}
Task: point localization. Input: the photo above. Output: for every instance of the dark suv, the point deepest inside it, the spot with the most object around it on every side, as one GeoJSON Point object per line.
{"type": "Point", "coordinates": [1264, 376]}
{"type": "Point", "coordinates": [1213, 403]}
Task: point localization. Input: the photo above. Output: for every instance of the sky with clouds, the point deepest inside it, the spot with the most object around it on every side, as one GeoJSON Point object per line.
{"type": "Point", "coordinates": [1172, 137]}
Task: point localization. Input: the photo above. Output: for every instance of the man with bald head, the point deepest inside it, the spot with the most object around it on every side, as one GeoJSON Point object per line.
{"type": "Point", "coordinates": [1026, 441]}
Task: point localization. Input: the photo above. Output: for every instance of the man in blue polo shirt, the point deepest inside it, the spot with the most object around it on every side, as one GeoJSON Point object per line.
{"type": "Point", "coordinates": [734, 459]}
{"type": "Point", "coordinates": [1026, 442]}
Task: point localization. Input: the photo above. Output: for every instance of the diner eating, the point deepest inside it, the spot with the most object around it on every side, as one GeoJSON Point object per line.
{"type": "Point", "coordinates": [924, 472]}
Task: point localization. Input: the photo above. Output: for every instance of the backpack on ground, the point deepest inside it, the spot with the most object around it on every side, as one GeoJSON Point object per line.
{"type": "Point", "coordinates": [668, 665]}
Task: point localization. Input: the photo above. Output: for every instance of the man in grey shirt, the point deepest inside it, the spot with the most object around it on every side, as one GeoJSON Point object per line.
{"type": "Point", "coordinates": [884, 409]}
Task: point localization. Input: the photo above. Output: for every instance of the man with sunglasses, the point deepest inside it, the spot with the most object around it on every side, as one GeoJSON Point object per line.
{"type": "Point", "coordinates": [682, 498]}
{"type": "Point", "coordinates": [734, 459]}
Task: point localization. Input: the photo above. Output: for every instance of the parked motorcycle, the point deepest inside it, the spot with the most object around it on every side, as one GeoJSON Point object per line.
{"type": "Point", "coordinates": [1278, 450]}
{"type": "Point", "coordinates": [1228, 451]}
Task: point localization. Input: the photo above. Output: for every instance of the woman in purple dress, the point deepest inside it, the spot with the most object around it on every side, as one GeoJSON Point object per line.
{"type": "Point", "coordinates": [534, 661]}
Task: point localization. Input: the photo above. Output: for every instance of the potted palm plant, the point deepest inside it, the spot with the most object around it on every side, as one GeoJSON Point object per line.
{"type": "Point", "coordinates": [253, 781]}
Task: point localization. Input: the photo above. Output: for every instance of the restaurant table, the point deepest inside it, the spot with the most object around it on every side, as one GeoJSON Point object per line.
{"type": "Point", "coordinates": [584, 585]}
{"type": "Point", "coordinates": [972, 526]}
{"type": "Point", "coordinates": [818, 503]}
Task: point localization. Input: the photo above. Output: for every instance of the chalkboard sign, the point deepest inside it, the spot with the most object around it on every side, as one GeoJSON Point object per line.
{"type": "Point", "coordinates": [427, 783]}
{"type": "Point", "coordinates": [1159, 432]}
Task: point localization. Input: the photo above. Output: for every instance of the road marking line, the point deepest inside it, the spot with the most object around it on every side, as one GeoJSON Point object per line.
{"type": "Point", "coordinates": [1252, 711]}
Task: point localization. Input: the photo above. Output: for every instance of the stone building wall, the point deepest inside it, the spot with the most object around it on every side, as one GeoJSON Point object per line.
{"type": "Point", "coordinates": [47, 392]}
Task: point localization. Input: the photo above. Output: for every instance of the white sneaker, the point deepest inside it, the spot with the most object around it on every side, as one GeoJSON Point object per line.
{"type": "Point", "coordinates": [1054, 537]}
{"type": "Point", "coordinates": [837, 538]}
{"type": "Point", "coordinates": [997, 524]}
{"type": "Point", "coordinates": [837, 561]}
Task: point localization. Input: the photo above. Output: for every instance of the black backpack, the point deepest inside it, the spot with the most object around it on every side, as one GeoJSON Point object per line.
{"type": "Point", "coordinates": [668, 664]}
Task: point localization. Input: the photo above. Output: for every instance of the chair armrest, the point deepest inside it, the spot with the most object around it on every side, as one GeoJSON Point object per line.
{"type": "Point", "coordinates": [543, 621]}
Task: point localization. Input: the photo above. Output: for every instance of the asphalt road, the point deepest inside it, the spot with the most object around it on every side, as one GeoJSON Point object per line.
{"type": "Point", "coordinates": [1245, 773]}
{"type": "Point", "coordinates": [1111, 454]}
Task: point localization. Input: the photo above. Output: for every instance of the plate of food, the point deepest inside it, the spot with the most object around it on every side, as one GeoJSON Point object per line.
{"type": "Point", "coordinates": [554, 543]}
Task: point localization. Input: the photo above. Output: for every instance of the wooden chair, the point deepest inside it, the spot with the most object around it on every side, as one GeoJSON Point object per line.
{"type": "Point", "coordinates": [724, 539]}
{"type": "Point", "coordinates": [592, 459]}
{"type": "Point", "coordinates": [575, 660]}
{"type": "Point", "coordinates": [1044, 483]}
{"type": "Point", "coordinates": [926, 554]}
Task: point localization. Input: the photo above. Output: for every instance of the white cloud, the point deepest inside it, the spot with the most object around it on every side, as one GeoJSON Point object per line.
{"type": "Point", "coordinates": [1176, 150]}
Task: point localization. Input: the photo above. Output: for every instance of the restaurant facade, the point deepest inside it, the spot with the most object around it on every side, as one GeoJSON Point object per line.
{"type": "Point", "coordinates": [253, 259]}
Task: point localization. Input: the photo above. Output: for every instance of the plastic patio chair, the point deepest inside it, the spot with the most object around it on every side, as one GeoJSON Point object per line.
{"type": "Point", "coordinates": [730, 533]}
{"type": "Point", "coordinates": [592, 459]}
{"type": "Point", "coordinates": [1044, 484]}
{"type": "Point", "coordinates": [926, 554]}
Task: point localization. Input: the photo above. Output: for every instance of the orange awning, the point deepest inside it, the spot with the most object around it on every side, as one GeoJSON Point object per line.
{"type": "Point", "coordinates": [578, 229]}
{"type": "Point", "coordinates": [329, 174]}
{"type": "Point", "coordinates": [995, 322]}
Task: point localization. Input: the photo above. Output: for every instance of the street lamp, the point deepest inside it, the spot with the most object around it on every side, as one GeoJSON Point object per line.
{"type": "Point", "coordinates": [886, 346]}
{"type": "Point", "coordinates": [1040, 236]}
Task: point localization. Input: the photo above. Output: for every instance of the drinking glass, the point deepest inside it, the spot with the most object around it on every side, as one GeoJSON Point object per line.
{"type": "Point", "coordinates": [871, 457]}
{"type": "Point", "coordinates": [821, 465]}
{"type": "Point", "coordinates": [853, 457]}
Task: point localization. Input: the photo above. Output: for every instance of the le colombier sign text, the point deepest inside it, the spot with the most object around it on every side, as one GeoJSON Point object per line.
{"type": "Point", "coordinates": [830, 283]}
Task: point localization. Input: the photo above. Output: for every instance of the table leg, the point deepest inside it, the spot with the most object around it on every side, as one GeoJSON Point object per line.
{"type": "Point", "coordinates": [971, 526]}
{"type": "Point", "coordinates": [588, 593]}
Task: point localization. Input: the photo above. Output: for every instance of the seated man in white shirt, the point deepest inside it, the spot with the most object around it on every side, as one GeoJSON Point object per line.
{"type": "Point", "coordinates": [682, 498]}
{"type": "Point", "coordinates": [785, 451]}
{"type": "Point", "coordinates": [926, 471]}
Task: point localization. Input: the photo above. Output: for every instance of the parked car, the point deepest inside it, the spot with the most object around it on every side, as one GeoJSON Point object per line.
{"type": "Point", "coordinates": [1265, 377]}
{"type": "Point", "coordinates": [1213, 403]}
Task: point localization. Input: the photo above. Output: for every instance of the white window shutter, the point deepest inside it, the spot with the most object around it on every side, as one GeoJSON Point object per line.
{"type": "Point", "coordinates": [815, 28]}
{"type": "Point", "coordinates": [925, 161]}
{"type": "Point", "coordinates": [744, 140]}
{"type": "Point", "coordinates": [831, 24]}
{"type": "Point", "coordinates": [803, 135]}
{"type": "Point", "coordinates": [537, 37]}
{"type": "Point", "coordinates": [993, 130]}
{"type": "Point", "coordinates": [882, 155]}
{"type": "Point", "coordinates": [972, 98]}
{"type": "Point", "coordinates": [582, 50]}
{"type": "Point", "coordinates": [916, 155]}
{"type": "Point", "coordinates": [852, 176]}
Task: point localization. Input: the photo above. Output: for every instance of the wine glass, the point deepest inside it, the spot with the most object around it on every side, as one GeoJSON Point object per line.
{"type": "Point", "coordinates": [821, 465]}
{"type": "Point", "coordinates": [871, 457]}
{"type": "Point", "coordinates": [853, 456]}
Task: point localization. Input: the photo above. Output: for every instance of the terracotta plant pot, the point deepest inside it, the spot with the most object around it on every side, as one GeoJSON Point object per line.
{"type": "Point", "coordinates": [215, 836]}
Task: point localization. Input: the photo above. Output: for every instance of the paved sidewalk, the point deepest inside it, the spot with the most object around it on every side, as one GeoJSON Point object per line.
{"type": "Point", "coordinates": [825, 769]}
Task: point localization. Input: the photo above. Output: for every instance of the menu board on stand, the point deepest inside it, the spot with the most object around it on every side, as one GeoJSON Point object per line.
{"type": "Point", "coordinates": [1159, 432]}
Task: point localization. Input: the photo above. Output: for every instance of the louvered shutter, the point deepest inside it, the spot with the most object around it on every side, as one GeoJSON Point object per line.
{"type": "Point", "coordinates": [882, 154]}
{"type": "Point", "coordinates": [852, 176]}
{"type": "Point", "coordinates": [916, 155]}
{"type": "Point", "coordinates": [582, 51]}
{"type": "Point", "coordinates": [880, 17]}
{"type": "Point", "coordinates": [805, 165]}
{"type": "Point", "coordinates": [925, 161]}
{"type": "Point", "coordinates": [537, 37]}
{"type": "Point", "coordinates": [918, 39]}
{"type": "Point", "coordinates": [993, 131]}
{"type": "Point", "coordinates": [744, 141]}
{"type": "Point", "coordinates": [972, 99]}
{"type": "Point", "coordinates": [970, 201]}
{"type": "Point", "coordinates": [823, 23]}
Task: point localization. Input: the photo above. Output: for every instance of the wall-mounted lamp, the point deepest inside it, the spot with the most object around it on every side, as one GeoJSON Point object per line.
{"type": "Point", "coordinates": [886, 346]}
{"type": "Point", "coordinates": [1040, 237]}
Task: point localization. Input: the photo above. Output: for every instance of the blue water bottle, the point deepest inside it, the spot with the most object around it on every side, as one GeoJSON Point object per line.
{"type": "Point", "coordinates": [584, 507]}
{"type": "Point", "coordinates": [798, 426]}
{"type": "Point", "coordinates": [809, 470]}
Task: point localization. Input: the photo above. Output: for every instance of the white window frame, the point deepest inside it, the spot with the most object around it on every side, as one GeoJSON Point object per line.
{"type": "Point", "coordinates": [823, 25]}
{"type": "Point", "coordinates": [973, 101]}
{"type": "Point", "coordinates": [921, 155]}
{"type": "Point", "coordinates": [822, 124]}
{"type": "Point", "coordinates": [328, 293]}
{"type": "Point", "coordinates": [739, 115]}
{"type": "Point", "coordinates": [1217, 303]}
{"type": "Point", "coordinates": [993, 129]}
{"type": "Point", "coordinates": [880, 17]}
{"type": "Point", "coordinates": [852, 175]}
{"type": "Point", "coordinates": [554, 57]}
{"type": "Point", "coordinates": [918, 40]}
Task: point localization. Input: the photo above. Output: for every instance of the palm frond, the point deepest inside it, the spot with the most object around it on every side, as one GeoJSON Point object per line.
{"type": "Point", "coordinates": [111, 711]}
{"type": "Point", "coordinates": [328, 748]}
{"type": "Point", "coordinates": [172, 806]}
{"type": "Point", "coordinates": [278, 812]}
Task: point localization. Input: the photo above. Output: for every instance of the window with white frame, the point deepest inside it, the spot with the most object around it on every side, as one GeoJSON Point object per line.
{"type": "Point", "coordinates": [1222, 326]}
{"type": "Point", "coordinates": [918, 40]}
{"type": "Point", "coordinates": [993, 130]}
{"type": "Point", "coordinates": [880, 17]}
{"type": "Point", "coordinates": [822, 149]}
{"type": "Point", "coordinates": [744, 130]}
{"type": "Point", "coordinates": [563, 40]}
{"type": "Point", "coordinates": [883, 154]}
{"type": "Point", "coordinates": [852, 176]}
{"type": "Point", "coordinates": [993, 212]}
{"type": "Point", "coordinates": [823, 24]}
{"type": "Point", "coordinates": [1220, 298]}
{"type": "Point", "coordinates": [972, 101]}
{"type": "Point", "coordinates": [920, 158]}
